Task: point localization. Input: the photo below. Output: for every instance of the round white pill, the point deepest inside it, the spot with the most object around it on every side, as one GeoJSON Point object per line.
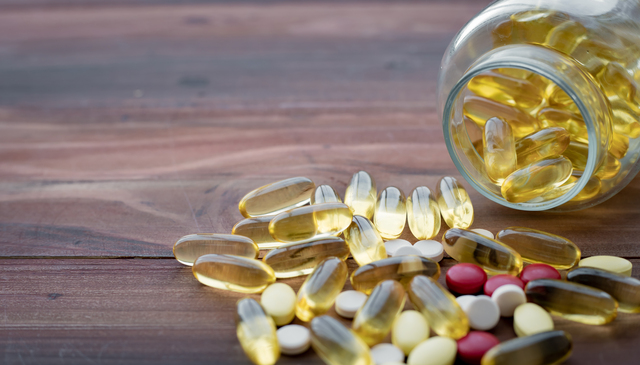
{"type": "Point", "coordinates": [430, 249]}
{"type": "Point", "coordinates": [483, 232]}
{"type": "Point", "coordinates": [279, 301]}
{"type": "Point", "coordinates": [384, 353]}
{"type": "Point", "coordinates": [348, 302]}
{"type": "Point", "coordinates": [508, 298]}
{"type": "Point", "coordinates": [482, 312]}
{"type": "Point", "coordinates": [392, 245]}
{"type": "Point", "coordinates": [293, 339]}
{"type": "Point", "coordinates": [407, 250]}
{"type": "Point", "coordinates": [409, 329]}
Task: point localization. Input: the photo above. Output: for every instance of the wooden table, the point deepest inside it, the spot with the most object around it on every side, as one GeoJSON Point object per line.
{"type": "Point", "coordinates": [125, 125]}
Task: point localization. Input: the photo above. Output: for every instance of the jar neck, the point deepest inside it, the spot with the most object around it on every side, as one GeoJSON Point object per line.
{"type": "Point", "coordinates": [566, 74]}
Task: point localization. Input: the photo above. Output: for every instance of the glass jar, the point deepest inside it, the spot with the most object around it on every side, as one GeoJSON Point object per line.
{"type": "Point", "coordinates": [572, 64]}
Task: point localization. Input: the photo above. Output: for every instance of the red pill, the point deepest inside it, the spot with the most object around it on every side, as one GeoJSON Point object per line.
{"type": "Point", "coordinates": [539, 271]}
{"type": "Point", "coordinates": [466, 278]}
{"type": "Point", "coordinates": [473, 346]}
{"type": "Point", "coordinates": [497, 281]}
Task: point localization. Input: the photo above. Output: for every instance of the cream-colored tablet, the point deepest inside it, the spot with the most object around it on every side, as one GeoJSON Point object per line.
{"type": "Point", "coordinates": [430, 249]}
{"type": "Point", "coordinates": [385, 353]}
{"type": "Point", "coordinates": [348, 302]}
{"type": "Point", "coordinates": [392, 245]}
{"type": "Point", "coordinates": [409, 329]}
{"type": "Point", "coordinates": [608, 263]}
{"type": "Point", "coordinates": [407, 250]}
{"type": "Point", "coordinates": [293, 339]}
{"type": "Point", "coordinates": [508, 298]}
{"type": "Point", "coordinates": [482, 312]}
{"type": "Point", "coordinates": [484, 232]}
{"type": "Point", "coordinates": [530, 318]}
{"type": "Point", "coordinates": [434, 351]}
{"type": "Point", "coordinates": [279, 301]}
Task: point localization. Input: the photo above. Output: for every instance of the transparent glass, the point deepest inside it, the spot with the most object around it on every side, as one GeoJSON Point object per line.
{"type": "Point", "coordinates": [586, 50]}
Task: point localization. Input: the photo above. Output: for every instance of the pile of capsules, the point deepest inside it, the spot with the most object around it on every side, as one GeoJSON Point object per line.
{"type": "Point", "coordinates": [304, 241]}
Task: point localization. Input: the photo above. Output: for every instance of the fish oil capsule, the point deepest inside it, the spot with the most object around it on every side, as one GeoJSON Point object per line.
{"type": "Point", "coordinates": [576, 302]}
{"type": "Point", "coordinates": [619, 146]}
{"type": "Point", "coordinates": [338, 345]}
{"type": "Point", "coordinates": [616, 82]}
{"type": "Point", "coordinates": [298, 259]}
{"type": "Point", "coordinates": [423, 213]}
{"type": "Point", "coordinates": [544, 143]}
{"type": "Point", "coordinates": [566, 36]}
{"type": "Point", "coordinates": [361, 194]}
{"type": "Point", "coordinates": [391, 213]}
{"type": "Point", "coordinates": [507, 90]}
{"type": "Point", "coordinates": [374, 320]}
{"type": "Point", "coordinates": [235, 273]}
{"type": "Point", "coordinates": [578, 153]}
{"type": "Point", "coordinates": [609, 169]}
{"type": "Point", "coordinates": [320, 289]}
{"type": "Point", "coordinates": [625, 290]}
{"type": "Point", "coordinates": [257, 229]}
{"type": "Point", "coordinates": [491, 255]}
{"type": "Point", "coordinates": [536, 246]}
{"type": "Point", "coordinates": [553, 347]}
{"type": "Point", "coordinates": [312, 221]}
{"type": "Point", "coordinates": [515, 72]}
{"type": "Point", "coordinates": [443, 313]}
{"type": "Point", "coordinates": [559, 99]}
{"type": "Point", "coordinates": [365, 243]}
{"type": "Point", "coordinates": [625, 121]}
{"type": "Point", "coordinates": [188, 248]}
{"type": "Point", "coordinates": [499, 149]}
{"type": "Point", "coordinates": [481, 109]}
{"type": "Point", "coordinates": [589, 191]}
{"type": "Point", "coordinates": [256, 333]}
{"type": "Point", "coordinates": [454, 203]}
{"type": "Point", "coordinates": [399, 268]}
{"type": "Point", "coordinates": [572, 122]}
{"type": "Point", "coordinates": [325, 194]}
{"type": "Point", "coordinates": [534, 25]}
{"type": "Point", "coordinates": [277, 197]}
{"type": "Point", "coordinates": [536, 179]}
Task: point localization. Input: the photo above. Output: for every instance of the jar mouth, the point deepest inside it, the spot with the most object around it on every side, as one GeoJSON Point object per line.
{"type": "Point", "coordinates": [545, 62]}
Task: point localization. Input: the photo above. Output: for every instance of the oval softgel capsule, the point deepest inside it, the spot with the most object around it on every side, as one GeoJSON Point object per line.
{"type": "Point", "coordinates": [277, 197]}
{"type": "Point", "coordinates": [188, 248]}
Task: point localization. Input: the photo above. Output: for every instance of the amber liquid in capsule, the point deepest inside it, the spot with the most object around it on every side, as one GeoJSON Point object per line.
{"type": "Point", "coordinates": [576, 302]}
{"type": "Point", "coordinates": [534, 25]}
{"type": "Point", "coordinates": [311, 221]}
{"type": "Point", "coordinates": [589, 191]}
{"type": "Point", "coordinates": [481, 109]}
{"type": "Point", "coordinates": [423, 213]}
{"type": "Point", "coordinates": [257, 333]}
{"type": "Point", "coordinates": [399, 268]}
{"type": "Point", "coordinates": [298, 259]}
{"type": "Point", "coordinates": [188, 248]}
{"type": "Point", "coordinates": [277, 197]}
{"type": "Point", "coordinates": [338, 345]}
{"type": "Point", "coordinates": [325, 194]}
{"type": "Point", "coordinates": [443, 313]}
{"type": "Point", "coordinates": [500, 158]}
{"type": "Point", "coordinates": [391, 213]}
{"type": "Point", "coordinates": [454, 203]}
{"type": "Point", "coordinates": [570, 121]}
{"type": "Point", "coordinates": [320, 289]}
{"type": "Point", "coordinates": [625, 290]}
{"type": "Point", "coordinates": [609, 169]}
{"type": "Point", "coordinates": [471, 247]}
{"type": "Point", "coordinates": [536, 179]}
{"type": "Point", "coordinates": [552, 347]}
{"type": "Point", "coordinates": [235, 273]}
{"type": "Point", "coordinates": [566, 36]}
{"type": "Point", "coordinates": [619, 146]}
{"type": "Point", "coordinates": [257, 229]}
{"type": "Point", "coordinates": [625, 121]}
{"type": "Point", "coordinates": [578, 154]}
{"type": "Point", "coordinates": [374, 320]}
{"type": "Point", "coordinates": [361, 194]}
{"type": "Point", "coordinates": [544, 143]}
{"type": "Point", "coordinates": [506, 90]}
{"type": "Point", "coordinates": [541, 247]}
{"type": "Point", "coordinates": [365, 243]}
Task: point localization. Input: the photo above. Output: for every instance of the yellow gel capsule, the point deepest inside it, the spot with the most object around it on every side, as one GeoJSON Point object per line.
{"type": "Point", "coordinates": [338, 345]}
{"type": "Point", "coordinates": [298, 259]}
{"type": "Point", "coordinates": [507, 90]}
{"type": "Point", "coordinates": [365, 243]}
{"type": "Point", "coordinates": [572, 122]}
{"type": "Point", "coordinates": [325, 194]}
{"type": "Point", "coordinates": [559, 99]}
{"type": "Point", "coordinates": [499, 149]}
{"type": "Point", "coordinates": [534, 25]}
{"type": "Point", "coordinates": [536, 246]}
{"type": "Point", "coordinates": [589, 191]}
{"type": "Point", "coordinates": [544, 143]}
{"type": "Point", "coordinates": [625, 290]}
{"type": "Point", "coordinates": [320, 289]}
{"type": "Point", "coordinates": [443, 313]}
{"type": "Point", "coordinates": [575, 302]}
{"type": "Point", "coordinates": [492, 256]}
{"type": "Point", "coordinates": [188, 248]}
{"type": "Point", "coordinates": [361, 194]}
{"type": "Point", "coordinates": [423, 213]}
{"type": "Point", "coordinates": [374, 319]}
{"type": "Point", "coordinates": [257, 333]}
{"type": "Point", "coordinates": [609, 169]}
{"type": "Point", "coordinates": [235, 273]}
{"type": "Point", "coordinates": [552, 347]}
{"type": "Point", "coordinates": [454, 203]}
{"type": "Point", "coordinates": [608, 263]}
{"type": "Point", "coordinates": [481, 109]}
{"type": "Point", "coordinates": [257, 229]}
{"type": "Point", "coordinates": [311, 221]}
{"type": "Point", "coordinates": [617, 82]}
{"type": "Point", "coordinates": [578, 153]}
{"type": "Point", "coordinates": [619, 146]}
{"type": "Point", "coordinates": [399, 268]}
{"type": "Point", "coordinates": [277, 197]}
{"type": "Point", "coordinates": [391, 213]}
{"type": "Point", "coordinates": [625, 120]}
{"type": "Point", "coordinates": [566, 36]}
{"type": "Point", "coordinates": [536, 179]}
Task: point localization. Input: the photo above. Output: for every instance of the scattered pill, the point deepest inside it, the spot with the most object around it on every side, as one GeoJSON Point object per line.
{"type": "Point", "coordinates": [385, 353]}
{"type": "Point", "coordinates": [608, 263]}
{"type": "Point", "coordinates": [530, 318]}
{"type": "Point", "coordinates": [391, 213]}
{"type": "Point", "coordinates": [293, 339]}
{"type": "Point", "coordinates": [365, 243]}
{"type": "Point", "coordinates": [361, 194]}
{"type": "Point", "coordinates": [320, 289]}
{"type": "Point", "coordinates": [407, 250]}
{"type": "Point", "coordinates": [497, 281]}
{"type": "Point", "coordinates": [277, 197]}
{"type": "Point", "coordinates": [552, 347]}
{"type": "Point", "coordinates": [482, 312]}
{"type": "Point", "coordinates": [400, 268]}
{"type": "Point", "coordinates": [508, 298]}
{"type": "Point", "coordinates": [392, 245]}
{"type": "Point", "coordinates": [310, 221]}
{"type": "Point", "coordinates": [465, 278]}
{"type": "Point", "coordinates": [434, 351]}
{"type": "Point", "coordinates": [374, 320]}
{"type": "Point", "coordinates": [348, 302]}
{"type": "Point", "coordinates": [296, 259]}
{"type": "Point", "coordinates": [430, 249]}
{"type": "Point", "coordinates": [188, 248]}
{"type": "Point", "coordinates": [625, 290]}
{"type": "Point", "coordinates": [256, 333]}
{"type": "Point", "coordinates": [409, 329]}
{"type": "Point", "coordinates": [325, 194]}
{"type": "Point", "coordinates": [454, 203]}
{"type": "Point", "coordinates": [279, 301]}
{"type": "Point", "coordinates": [484, 232]}
{"type": "Point", "coordinates": [258, 230]}
{"type": "Point", "coordinates": [558, 251]}
{"type": "Point", "coordinates": [235, 273]}
{"type": "Point", "coordinates": [423, 213]}
{"type": "Point", "coordinates": [538, 271]}
{"type": "Point", "coordinates": [474, 345]}
{"type": "Point", "coordinates": [336, 344]}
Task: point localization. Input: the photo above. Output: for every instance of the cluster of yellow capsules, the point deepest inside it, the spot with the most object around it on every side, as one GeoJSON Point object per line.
{"type": "Point", "coordinates": [300, 224]}
{"type": "Point", "coordinates": [534, 140]}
